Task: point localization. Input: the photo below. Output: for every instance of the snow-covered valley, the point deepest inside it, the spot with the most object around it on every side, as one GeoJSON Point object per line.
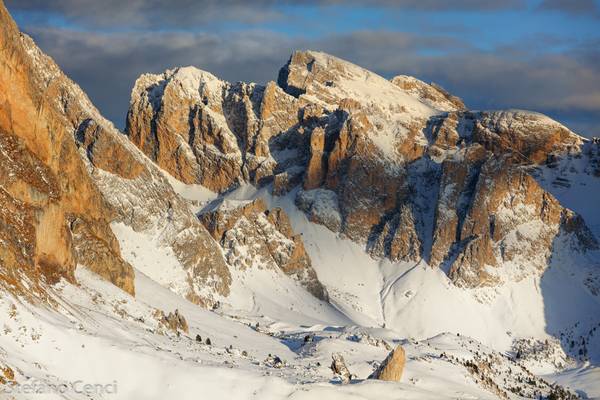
{"type": "Point", "coordinates": [375, 305]}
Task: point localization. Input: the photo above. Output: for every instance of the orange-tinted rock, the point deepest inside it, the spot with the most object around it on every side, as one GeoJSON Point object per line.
{"type": "Point", "coordinates": [530, 136]}
{"type": "Point", "coordinates": [45, 181]}
{"type": "Point", "coordinates": [399, 166]}
{"type": "Point", "coordinates": [315, 171]}
{"type": "Point", "coordinates": [399, 239]}
{"type": "Point", "coordinates": [392, 367]}
{"type": "Point", "coordinates": [206, 131]}
{"type": "Point", "coordinates": [105, 152]}
{"type": "Point", "coordinates": [432, 94]}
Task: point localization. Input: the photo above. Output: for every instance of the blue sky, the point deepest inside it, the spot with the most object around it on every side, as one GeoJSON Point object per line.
{"type": "Point", "coordinates": [535, 54]}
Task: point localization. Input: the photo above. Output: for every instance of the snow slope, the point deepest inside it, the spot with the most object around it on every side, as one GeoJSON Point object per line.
{"type": "Point", "coordinates": [102, 335]}
{"type": "Point", "coordinates": [418, 301]}
{"type": "Point", "coordinates": [396, 300]}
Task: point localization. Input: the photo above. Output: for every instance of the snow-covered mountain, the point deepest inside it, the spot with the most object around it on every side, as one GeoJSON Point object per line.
{"type": "Point", "coordinates": [238, 235]}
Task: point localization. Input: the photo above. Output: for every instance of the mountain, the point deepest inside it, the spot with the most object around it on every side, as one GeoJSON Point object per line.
{"type": "Point", "coordinates": [237, 235]}
{"type": "Point", "coordinates": [408, 180]}
{"type": "Point", "coordinates": [53, 216]}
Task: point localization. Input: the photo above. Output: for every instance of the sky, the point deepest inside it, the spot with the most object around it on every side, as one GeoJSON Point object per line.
{"type": "Point", "coordinates": [541, 55]}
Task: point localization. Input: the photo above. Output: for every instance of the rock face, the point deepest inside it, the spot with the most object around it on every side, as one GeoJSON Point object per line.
{"type": "Point", "coordinates": [204, 130]}
{"type": "Point", "coordinates": [392, 367]}
{"type": "Point", "coordinates": [400, 166]}
{"type": "Point", "coordinates": [149, 204]}
{"type": "Point", "coordinates": [174, 322]}
{"type": "Point", "coordinates": [593, 151]}
{"type": "Point", "coordinates": [53, 217]}
{"type": "Point", "coordinates": [67, 173]}
{"type": "Point", "coordinates": [432, 95]}
{"type": "Point", "coordinates": [339, 368]}
{"type": "Point", "coordinates": [254, 237]}
{"type": "Point", "coordinates": [451, 188]}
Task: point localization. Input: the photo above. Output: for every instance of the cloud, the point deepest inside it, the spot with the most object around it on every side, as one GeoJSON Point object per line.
{"type": "Point", "coordinates": [580, 7]}
{"type": "Point", "coordinates": [565, 85]}
{"type": "Point", "coordinates": [178, 14]}
{"type": "Point", "coordinates": [152, 14]}
{"type": "Point", "coordinates": [107, 65]}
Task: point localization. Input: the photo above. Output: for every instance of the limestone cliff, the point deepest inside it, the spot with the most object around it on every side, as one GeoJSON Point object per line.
{"type": "Point", "coordinates": [254, 237]}
{"type": "Point", "coordinates": [52, 217]}
{"type": "Point", "coordinates": [67, 174]}
{"type": "Point", "coordinates": [400, 166]}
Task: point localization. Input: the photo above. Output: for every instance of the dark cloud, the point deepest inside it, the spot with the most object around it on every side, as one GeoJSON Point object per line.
{"type": "Point", "coordinates": [149, 13]}
{"type": "Point", "coordinates": [107, 65]}
{"type": "Point", "coordinates": [564, 85]}
{"type": "Point", "coordinates": [197, 13]}
{"type": "Point", "coordinates": [582, 7]}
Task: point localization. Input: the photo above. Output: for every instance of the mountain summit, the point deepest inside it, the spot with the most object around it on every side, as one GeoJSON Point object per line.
{"type": "Point", "coordinates": [407, 180]}
{"type": "Point", "coordinates": [242, 236]}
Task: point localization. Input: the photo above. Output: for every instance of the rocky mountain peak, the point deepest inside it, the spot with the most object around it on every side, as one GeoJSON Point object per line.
{"type": "Point", "coordinates": [189, 82]}
{"type": "Point", "coordinates": [327, 80]}
{"type": "Point", "coordinates": [431, 94]}
{"type": "Point", "coordinates": [330, 212]}
{"type": "Point", "coordinates": [405, 169]}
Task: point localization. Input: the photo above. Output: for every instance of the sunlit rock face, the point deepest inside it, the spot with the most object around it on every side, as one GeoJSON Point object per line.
{"type": "Point", "coordinates": [401, 166]}
{"type": "Point", "coordinates": [67, 174]}
{"type": "Point", "coordinates": [416, 175]}
{"type": "Point", "coordinates": [53, 216]}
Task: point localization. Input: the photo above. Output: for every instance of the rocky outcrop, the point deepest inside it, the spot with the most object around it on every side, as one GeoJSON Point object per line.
{"type": "Point", "coordinates": [46, 190]}
{"type": "Point", "coordinates": [321, 206]}
{"type": "Point", "coordinates": [174, 322]}
{"type": "Point", "coordinates": [207, 131]}
{"type": "Point", "coordinates": [430, 94]}
{"type": "Point", "coordinates": [101, 256]}
{"type": "Point", "coordinates": [67, 174]}
{"type": "Point", "coordinates": [398, 239]}
{"type": "Point", "coordinates": [531, 137]}
{"type": "Point", "coordinates": [392, 367]}
{"type": "Point", "coordinates": [190, 138]}
{"type": "Point", "coordinates": [147, 203]}
{"type": "Point", "coordinates": [593, 152]}
{"type": "Point", "coordinates": [399, 166]}
{"type": "Point", "coordinates": [412, 182]}
{"type": "Point", "coordinates": [315, 170]}
{"type": "Point", "coordinates": [254, 237]}
{"type": "Point", "coordinates": [104, 151]}
{"type": "Point", "coordinates": [339, 368]}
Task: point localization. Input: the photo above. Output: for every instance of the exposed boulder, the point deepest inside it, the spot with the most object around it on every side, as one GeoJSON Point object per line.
{"type": "Point", "coordinates": [174, 322]}
{"type": "Point", "coordinates": [339, 368]}
{"type": "Point", "coordinates": [392, 367]}
{"type": "Point", "coordinates": [274, 361]}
